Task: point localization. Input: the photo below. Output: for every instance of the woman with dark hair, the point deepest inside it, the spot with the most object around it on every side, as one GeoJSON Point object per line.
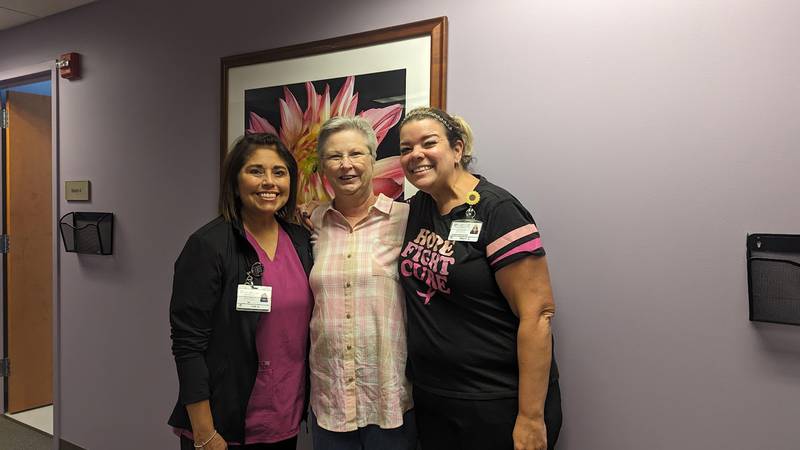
{"type": "Point", "coordinates": [240, 309]}
{"type": "Point", "coordinates": [478, 299]}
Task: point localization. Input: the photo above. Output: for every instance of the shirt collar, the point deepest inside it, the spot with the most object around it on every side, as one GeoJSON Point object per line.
{"type": "Point", "coordinates": [383, 204]}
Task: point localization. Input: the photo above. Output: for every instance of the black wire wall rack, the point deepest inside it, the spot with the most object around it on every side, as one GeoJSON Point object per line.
{"type": "Point", "coordinates": [773, 277]}
{"type": "Point", "coordinates": [87, 232]}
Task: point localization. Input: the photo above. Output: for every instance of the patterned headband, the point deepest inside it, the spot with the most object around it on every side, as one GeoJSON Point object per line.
{"type": "Point", "coordinates": [430, 114]}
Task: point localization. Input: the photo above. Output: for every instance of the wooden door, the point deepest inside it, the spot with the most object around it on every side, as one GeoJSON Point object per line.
{"type": "Point", "coordinates": [29, 268]}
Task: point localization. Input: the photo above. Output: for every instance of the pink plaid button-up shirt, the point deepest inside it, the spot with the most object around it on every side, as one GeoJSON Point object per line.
{"type": "Point", "coordinates": [358, 326]}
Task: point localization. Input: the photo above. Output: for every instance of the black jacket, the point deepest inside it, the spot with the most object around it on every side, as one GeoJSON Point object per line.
{"type": "Point", "coordinates": [213, 344]}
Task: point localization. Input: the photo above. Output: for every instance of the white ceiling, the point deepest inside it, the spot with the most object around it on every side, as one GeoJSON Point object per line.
{"type": "Point", "coordinates": [17, 12]}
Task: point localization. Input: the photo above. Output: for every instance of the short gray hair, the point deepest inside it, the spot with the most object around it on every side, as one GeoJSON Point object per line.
{"type": "Point", "coordinates": [343, 123]}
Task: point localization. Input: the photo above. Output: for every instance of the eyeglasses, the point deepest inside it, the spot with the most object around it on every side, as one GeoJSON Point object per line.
{"type": "Point", "coordinates": [355, 157]}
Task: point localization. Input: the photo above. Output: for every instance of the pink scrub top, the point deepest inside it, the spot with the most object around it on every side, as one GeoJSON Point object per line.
{"type": "Point", "coordinates": [276, 402]}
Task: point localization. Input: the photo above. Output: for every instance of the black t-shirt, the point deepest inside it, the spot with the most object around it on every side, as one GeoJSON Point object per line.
{"type": "Point", "coordinates": [462, 334]}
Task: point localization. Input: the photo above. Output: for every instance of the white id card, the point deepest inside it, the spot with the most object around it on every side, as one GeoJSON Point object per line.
{"type": "Point", "coordinates": [254, 298]}
{"type": "Point", "coordinates": [465, 230]}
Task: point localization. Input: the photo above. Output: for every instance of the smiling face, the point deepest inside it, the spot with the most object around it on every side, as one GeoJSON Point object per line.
{"type": "Point", "coordinates": [428, 160]}
{"type": "Point", "coordinates": [348, 164]}
{"type": "Point", "coordinates": [264, 183]}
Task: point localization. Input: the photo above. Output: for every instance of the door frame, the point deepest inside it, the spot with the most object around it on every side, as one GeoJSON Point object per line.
{"type": "Point", "coordinates": [14, 77]}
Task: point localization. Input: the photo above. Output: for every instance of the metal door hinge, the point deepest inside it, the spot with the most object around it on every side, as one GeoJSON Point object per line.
{"type": "Point", "coordinates": [3, 118]}
{"type": "Point", "coordinates": [5, 367]}
{"type": "Point", "coordinates": [4, 243]}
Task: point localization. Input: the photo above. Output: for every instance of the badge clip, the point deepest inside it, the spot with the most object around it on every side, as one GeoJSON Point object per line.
{"type": "Point", "coordinates": [256, 270]}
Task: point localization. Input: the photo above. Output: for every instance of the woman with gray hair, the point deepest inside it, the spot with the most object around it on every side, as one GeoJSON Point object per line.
{"type": "Point", "coordinates": [360, 397]}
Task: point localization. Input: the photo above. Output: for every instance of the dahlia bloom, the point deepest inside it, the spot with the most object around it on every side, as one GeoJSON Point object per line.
{"type": "Point", "coordinates": [300, 129]}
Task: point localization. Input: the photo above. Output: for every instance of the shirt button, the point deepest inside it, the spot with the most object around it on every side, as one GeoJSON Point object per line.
{"type": "Point", "coordinates": [348, 256]}
{"type": "Point", "coordinates": [348, 316]}
{"type": "Point", "coordinates": [347, 284]}
{"type": "Point", "coordinates": [349, 347]}
{"type": "Point", "coordinates": [349, 380]}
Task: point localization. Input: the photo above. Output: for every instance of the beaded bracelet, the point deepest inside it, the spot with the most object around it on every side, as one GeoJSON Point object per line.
{"type": "Point", "coordinates": [206, 442]}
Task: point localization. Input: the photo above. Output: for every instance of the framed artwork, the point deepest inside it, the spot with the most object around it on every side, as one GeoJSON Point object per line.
{"type": "Point", "coordinates": [291, 91]}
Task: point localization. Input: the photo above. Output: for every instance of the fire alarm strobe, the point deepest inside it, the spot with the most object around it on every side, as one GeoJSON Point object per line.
{"type": "Point", "coordinates": [69, 66]}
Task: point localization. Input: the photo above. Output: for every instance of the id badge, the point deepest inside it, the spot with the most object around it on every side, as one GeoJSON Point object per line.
{"type": "Point", "coordinates": [465, 230]}
{"type": "Point", "coordinates": [254, 298]}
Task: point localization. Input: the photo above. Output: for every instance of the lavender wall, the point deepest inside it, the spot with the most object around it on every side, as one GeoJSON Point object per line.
{"type": "Point", "coordinates": [647, 136]}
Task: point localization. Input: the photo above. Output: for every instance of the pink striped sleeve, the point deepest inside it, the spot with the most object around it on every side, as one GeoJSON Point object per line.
{"type": "Point", "coordinates": [510, 237]}
{"type": "Point", "coordinates": [530, 246]}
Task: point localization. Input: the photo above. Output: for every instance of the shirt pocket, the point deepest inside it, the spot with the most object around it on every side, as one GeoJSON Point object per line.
{"type": "Point", "coordinates": [385, 253]}
{"type": "Point", "coordinates": [262, 397]}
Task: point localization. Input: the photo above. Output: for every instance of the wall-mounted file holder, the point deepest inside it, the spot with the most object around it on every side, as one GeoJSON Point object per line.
{"type": "Point", "coordinates": [773, 277]}
{"type": "Point", "coordinates": [87, 232]}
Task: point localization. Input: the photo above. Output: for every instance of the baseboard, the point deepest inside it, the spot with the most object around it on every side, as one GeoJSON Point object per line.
{"type": "Point", "coordinates": [66, 445]}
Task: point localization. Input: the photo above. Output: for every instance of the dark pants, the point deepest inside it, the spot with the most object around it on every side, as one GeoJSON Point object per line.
{"type": "Point", "coordinates": [446, 423]}
{"type": "Point", "coordinates": [371, 437]}
{"type": "Point", "coordinates": [288, 444]}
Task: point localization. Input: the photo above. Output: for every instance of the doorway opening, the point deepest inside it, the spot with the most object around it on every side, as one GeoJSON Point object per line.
{"type": "Point", "coordinates": [28, 258]}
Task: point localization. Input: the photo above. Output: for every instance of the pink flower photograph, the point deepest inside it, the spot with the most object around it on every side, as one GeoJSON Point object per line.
{"type": "Point", "coordinates": [295, 113]}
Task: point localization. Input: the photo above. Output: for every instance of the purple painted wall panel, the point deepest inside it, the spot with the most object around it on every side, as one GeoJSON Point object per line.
{"type": "Point", "coordinates": [647, 137]}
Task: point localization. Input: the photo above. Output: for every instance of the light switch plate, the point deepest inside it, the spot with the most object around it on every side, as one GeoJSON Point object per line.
{"type": "Point", "coordinates": [76, 191]}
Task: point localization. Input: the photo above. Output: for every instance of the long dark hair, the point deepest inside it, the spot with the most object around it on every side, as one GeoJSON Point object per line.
{"type": "Point", "coordinates": [230, 204]}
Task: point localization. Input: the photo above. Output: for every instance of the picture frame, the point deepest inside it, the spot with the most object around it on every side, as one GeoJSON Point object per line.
{"type": "Point", "coordinates": [377, 74]}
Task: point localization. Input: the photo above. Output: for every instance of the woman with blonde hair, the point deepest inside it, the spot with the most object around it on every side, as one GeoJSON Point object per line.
{"type": "Point", "coordinates": [478, 300]}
